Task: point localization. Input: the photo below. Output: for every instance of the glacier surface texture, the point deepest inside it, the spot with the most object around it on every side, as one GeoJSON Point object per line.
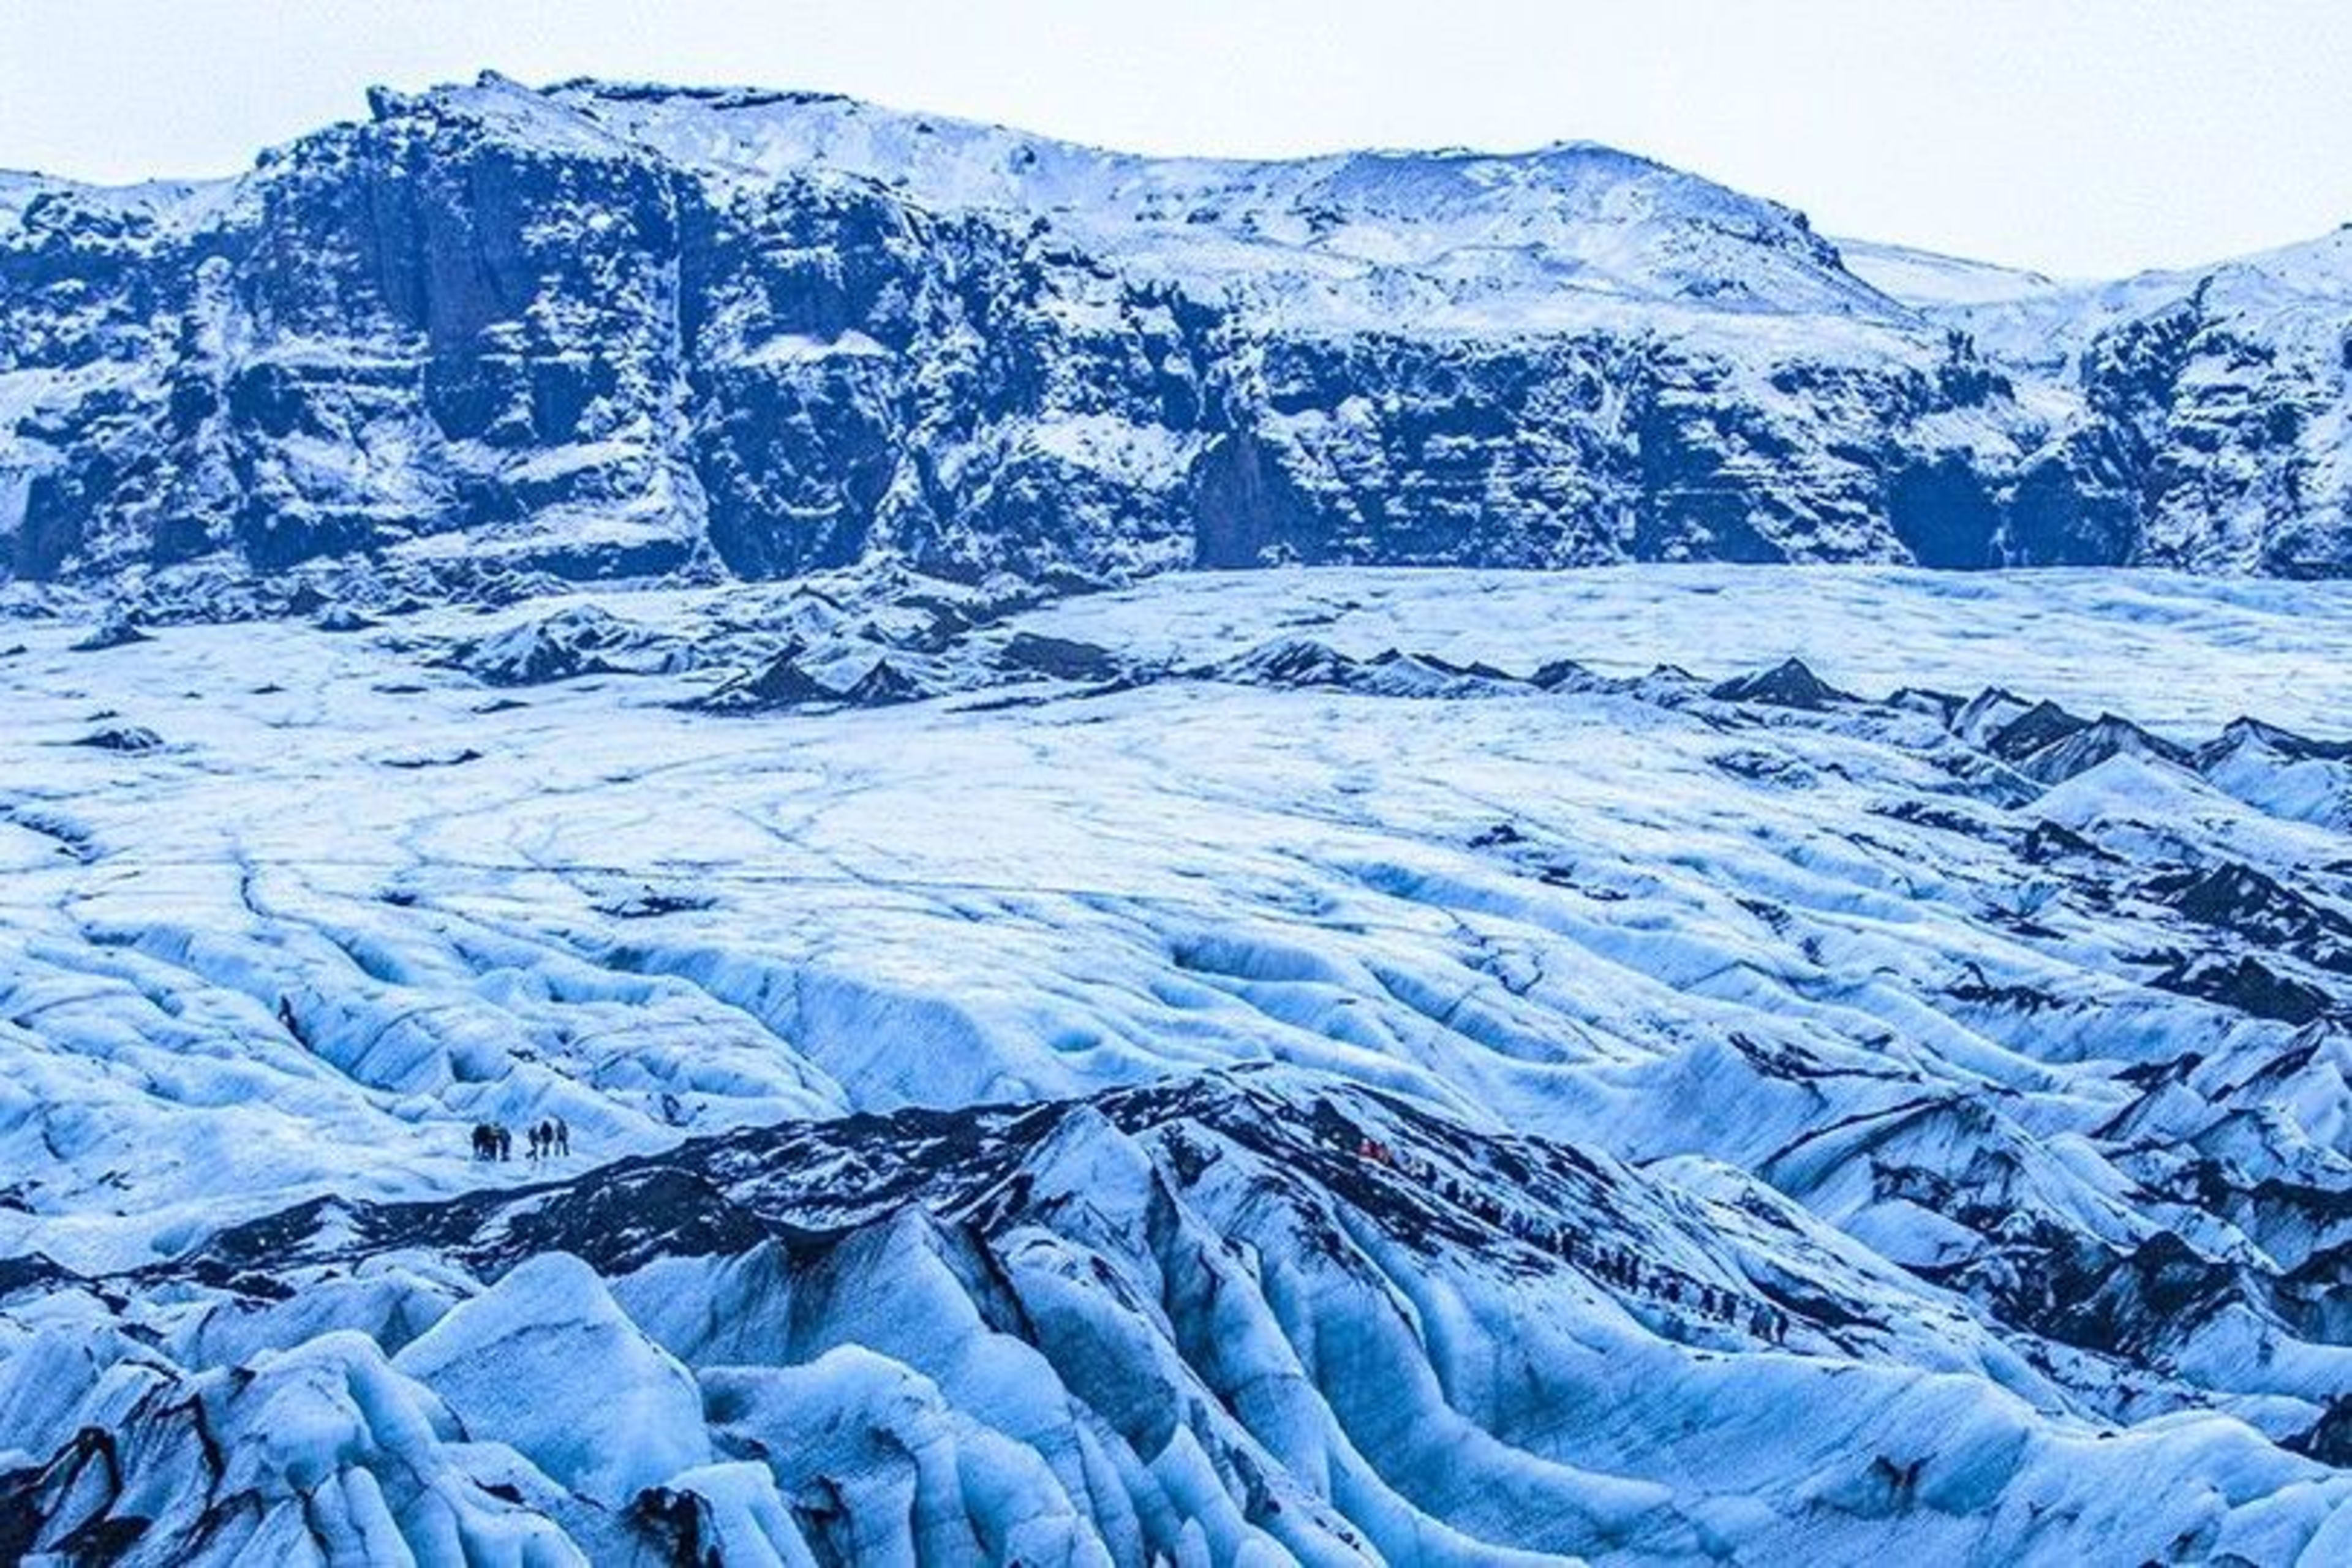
{"type": "Point", "coordinates": [1196, 863]}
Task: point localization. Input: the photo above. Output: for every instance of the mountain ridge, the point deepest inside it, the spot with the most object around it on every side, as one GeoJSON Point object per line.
{"type": "Point", "coordinates": [608, 330]}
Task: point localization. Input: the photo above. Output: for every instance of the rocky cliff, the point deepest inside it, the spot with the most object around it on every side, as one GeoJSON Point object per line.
{"type": "Point", "coordinates": [609, 330]}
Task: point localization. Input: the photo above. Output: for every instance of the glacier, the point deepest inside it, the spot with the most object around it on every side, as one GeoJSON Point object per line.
{"type": "Point", "coordinates": [1416, 858]}
{"type": "Point", "coordinates": [1651, 1064]}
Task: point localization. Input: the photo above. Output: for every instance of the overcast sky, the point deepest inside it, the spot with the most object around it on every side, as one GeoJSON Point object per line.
{"type": "Point", "coordinates": [2083, 137]}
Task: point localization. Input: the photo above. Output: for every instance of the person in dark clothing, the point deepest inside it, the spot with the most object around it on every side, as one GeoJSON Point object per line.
{"type": "Point", "coordinates": [485, 1142]}
{"type": "Point", "coordinates": [563, 1137]}
{"type": "Point", "coordinates": [506, 1144]}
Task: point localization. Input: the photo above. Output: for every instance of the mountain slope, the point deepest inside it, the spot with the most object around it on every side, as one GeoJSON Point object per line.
{"type": "Point", "coordinates": [606, 331]}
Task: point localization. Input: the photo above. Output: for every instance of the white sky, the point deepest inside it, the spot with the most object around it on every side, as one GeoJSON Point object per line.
{"type": "Point", "coordinates": [2078, 136]}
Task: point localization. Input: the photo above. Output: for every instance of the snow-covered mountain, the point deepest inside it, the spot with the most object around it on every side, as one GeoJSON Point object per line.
{"type": "Point", "coordinates": [1641, 1065]}
{"type": "Point", "coordinates": [546, 610]}
{"type": "Point", "coordinates": [614, 330]}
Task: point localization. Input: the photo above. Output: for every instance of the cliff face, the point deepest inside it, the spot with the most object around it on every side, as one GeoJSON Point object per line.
{"type": "Point", "coordinates": [602, 331]}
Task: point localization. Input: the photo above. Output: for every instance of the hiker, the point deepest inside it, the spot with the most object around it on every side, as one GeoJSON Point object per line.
{"type": "Point", "coordinates": [506, 1144]}
{"type": "Point", "coordinates": [485, 1142]}
{"type": "Point", "coordinates": [562, 1138]}
{"type": "Point", "coordinates": [531, 1136]}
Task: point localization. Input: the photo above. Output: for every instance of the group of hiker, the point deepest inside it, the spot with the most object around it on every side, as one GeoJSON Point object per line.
{"type": "Point", "coordinates": [1619, 1266]}
{"type": "Point", "coordinates": [543, 1141]}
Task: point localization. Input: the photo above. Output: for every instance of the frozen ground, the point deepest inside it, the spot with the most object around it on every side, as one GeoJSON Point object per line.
{"type": "Point", "coordinates": [1996, 1048]}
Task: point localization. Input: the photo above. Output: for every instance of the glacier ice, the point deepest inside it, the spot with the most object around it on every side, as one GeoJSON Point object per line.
{"type": "Point", "coordinates": [1421, 1067]}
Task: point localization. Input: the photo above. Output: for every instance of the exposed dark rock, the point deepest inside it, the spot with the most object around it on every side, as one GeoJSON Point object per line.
{"type": "Point", "coordinates": [2043, 724]}
{"type": "Point", "coordinates": [2086, 747]}
{"type": "Point", "coordinates": [1294, 661]}
{"type": "Point", "coordinates": [2237, 897]}
{"type": "Point", "coordinates": [122, 738]}
{"type": "Point", "coordinates": [2285, 743]}
{"type": "Point", "coordinates": [2047, 841]}
{"type": "Point", "coordinates": [1789, 684]}
{"type": "Point", "coordinates": [1064, 658]}
{"type": "Point", "coordinates": [2247, 984]}
{"type": "Point", "coordinates": [883, 685]}
{"type": "Point", "coordinates": [781, 683]}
